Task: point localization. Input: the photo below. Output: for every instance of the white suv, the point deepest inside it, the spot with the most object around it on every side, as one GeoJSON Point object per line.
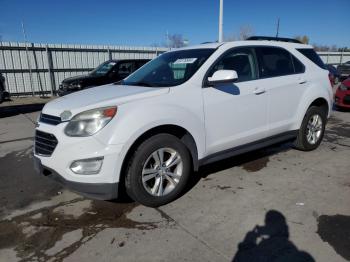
{"type": "Point", "coordinates": [186, 108]}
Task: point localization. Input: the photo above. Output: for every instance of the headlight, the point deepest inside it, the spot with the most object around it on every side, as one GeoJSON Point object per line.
{"type": "Point", "coordinates": [343, 87]}
{"type": "Point", "coordinates": [90, 122]}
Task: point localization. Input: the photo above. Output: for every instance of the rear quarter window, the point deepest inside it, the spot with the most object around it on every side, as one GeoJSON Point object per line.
{"type": "Point", "coordinates": [313, 56]}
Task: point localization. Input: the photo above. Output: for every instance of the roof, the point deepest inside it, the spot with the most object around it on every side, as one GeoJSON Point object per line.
{"type": "Point", "coordinates": [271, 38]}
{"type": "Point", "coordinates": [246, 43]}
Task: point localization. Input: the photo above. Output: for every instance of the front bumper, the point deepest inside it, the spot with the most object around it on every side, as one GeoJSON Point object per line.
{"type": "Point", "coordinates": [56, 165]}
{"type": "Point", "coordinates": [100, 191]}
{"type": "Point", "coordinates": [63, 92]}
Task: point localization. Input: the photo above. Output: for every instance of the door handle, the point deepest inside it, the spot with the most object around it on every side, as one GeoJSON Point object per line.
{"type": "Point", "coordinates": [259, 91]}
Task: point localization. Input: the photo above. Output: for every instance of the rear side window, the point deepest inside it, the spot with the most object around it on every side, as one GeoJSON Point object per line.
{"type": "Point", "coordinates": [298, 66]}
{"type": "Point", "coordinates": [274, 62]}
{"type": "Point", "coordinates": [313, 56]}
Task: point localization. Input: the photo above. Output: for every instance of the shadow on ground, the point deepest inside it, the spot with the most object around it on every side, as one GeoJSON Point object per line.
{"type": "Point", "coordinates": [12, 110]}
{"type": "Point", "coordinates": [250, 162]}
{"type": "Point", "coordinates": [270, 243]}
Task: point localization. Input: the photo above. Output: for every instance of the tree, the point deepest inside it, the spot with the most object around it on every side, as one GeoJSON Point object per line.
{"type": "Point", "coordinates": [304, 39]}
{"type": "Point", "coordinates": [243, 33]}
{"type": "Point", "coordinates": [176, 41]}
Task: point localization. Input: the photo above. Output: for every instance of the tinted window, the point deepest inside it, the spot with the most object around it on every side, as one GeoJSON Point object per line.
{"type": "Point", "coordinates": [298, 66]}
{"type": "Point", "coordinates": [313, 56]}
{"type": "Point", "coordinates": [125, 68]}
{"type": "Point", "coordinates": [275, 62]}
{"type": "Point", "coordinates": [241, 60]}
{"type": "Point", "coordinates": [104, 68]}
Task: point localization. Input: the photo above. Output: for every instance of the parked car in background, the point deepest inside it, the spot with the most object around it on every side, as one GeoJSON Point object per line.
{"type": "Point", "coordinates": [186, 108]}
{"type": "Point", "coordinates": [108, 72]}
{"type": "Point", "coordinates": [344, 70]}
{"type": "Point", "coordinates": [3, 93]}
{"type": "Point", "coordinates": [342, 95]}
{"type": "Point", "coordinates": [334, 75]}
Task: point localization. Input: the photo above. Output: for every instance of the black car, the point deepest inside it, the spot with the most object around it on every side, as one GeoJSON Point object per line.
{"type": "Point", "coordinates": [344, 70]}
{"type": "Point", "coordinates": [334, 74]}
{"type": "Point", "coordinates": [3, 94]}
{"type": "Point", "coordinates": [108, 72]}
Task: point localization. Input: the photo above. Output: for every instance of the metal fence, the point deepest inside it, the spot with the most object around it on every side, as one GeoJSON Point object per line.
{"type": "Point", "coordinates": [37, 69]}
{"type": "Point", "coordinates": [334, 58]}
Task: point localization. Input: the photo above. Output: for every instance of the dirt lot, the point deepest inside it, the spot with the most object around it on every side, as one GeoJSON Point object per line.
{"type": "Point", "coordinates": [300, 202]}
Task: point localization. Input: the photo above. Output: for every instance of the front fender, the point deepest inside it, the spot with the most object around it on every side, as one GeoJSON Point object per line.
{"type": "Point", "coordinates": [134, 119]}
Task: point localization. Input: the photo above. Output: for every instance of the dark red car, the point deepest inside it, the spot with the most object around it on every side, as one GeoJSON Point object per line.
{"type": "Point", "coordinates": [342, 96]}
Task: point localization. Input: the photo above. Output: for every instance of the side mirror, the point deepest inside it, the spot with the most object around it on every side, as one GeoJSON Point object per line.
{"type": "Point", "coordinates": [223, 76]}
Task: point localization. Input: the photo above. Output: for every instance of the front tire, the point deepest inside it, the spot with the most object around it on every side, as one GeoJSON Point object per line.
{"type": "Point", "coordinates": [312, 129]}
{"type": "Point", "coordinates": [158, 171]}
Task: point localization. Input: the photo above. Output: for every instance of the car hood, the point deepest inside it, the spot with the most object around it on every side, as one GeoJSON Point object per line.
{"type": "Point", "coordinates": [80, 79]}
{"type": "Point", "coordinates": [100, 96]}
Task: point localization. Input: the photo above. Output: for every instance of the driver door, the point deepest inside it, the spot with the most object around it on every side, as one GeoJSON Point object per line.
{"type": "Point", "coordinates": [235, 113]}
{"type": "Point", "coordinates": [122, 70]}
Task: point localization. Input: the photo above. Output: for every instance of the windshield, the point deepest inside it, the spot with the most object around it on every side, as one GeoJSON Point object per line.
{"type": "Point", "coordinates": [103, 68]}
{"type": "Point", "coordinates": [169, 69]}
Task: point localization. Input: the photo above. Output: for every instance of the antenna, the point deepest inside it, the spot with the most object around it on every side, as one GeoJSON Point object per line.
{"type": "Point", "coordinates": [167, 39]}
{"type": "Point", "coordinates": [278, 27]}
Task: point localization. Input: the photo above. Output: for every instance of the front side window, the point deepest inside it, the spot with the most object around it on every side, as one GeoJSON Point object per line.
{"type": "Point", "coordinates": [239, 59]}
{"type": "Point", "coordinates": [274, 62]}
{"type": "Point", "coordinates": [125, 68]}
{"type": "Point", "coordinates": [103, 69]}
{"type": "Point", "coordinates": [170, 69]}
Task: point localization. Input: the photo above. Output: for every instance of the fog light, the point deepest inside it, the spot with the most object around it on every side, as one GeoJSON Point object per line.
{"type": "Point", "coordinates": [87, 166]}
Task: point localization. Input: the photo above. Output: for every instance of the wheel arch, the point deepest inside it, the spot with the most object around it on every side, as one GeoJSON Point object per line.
{"type": "Point", "coordinates": [320, 101]}
{"type": "Point", "coordinates": [178, 131]}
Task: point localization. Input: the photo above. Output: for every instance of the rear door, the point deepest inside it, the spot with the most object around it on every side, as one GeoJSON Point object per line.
{"type": "Point", "coordinates": [282, 76]}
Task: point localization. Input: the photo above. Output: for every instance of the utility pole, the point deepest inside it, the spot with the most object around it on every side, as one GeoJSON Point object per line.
{"type": "Point", "coordinates": [167, 39]}
{"type": "Point", "coordinates": [28, 62]}
{"type": "Point", "coordinates": [221, 23]}
{"type": "Point", "coordinates": [278, 27]}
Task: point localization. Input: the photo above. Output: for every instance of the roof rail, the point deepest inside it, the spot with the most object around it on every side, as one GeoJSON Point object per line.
{"type": "Point", "coordinates": [271, 38]}
{"type": "Point", "coordinates": [209, 42]}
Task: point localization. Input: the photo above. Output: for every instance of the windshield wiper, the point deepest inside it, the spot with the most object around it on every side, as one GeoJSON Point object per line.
{"type": "Point", "coordinates": [141, 83]}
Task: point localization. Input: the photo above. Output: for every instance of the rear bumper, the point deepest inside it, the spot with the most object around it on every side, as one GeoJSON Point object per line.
{"type": "Point", "coordinates": [100, 191]}
{"type": "Point", "coordinates": [342, 98]}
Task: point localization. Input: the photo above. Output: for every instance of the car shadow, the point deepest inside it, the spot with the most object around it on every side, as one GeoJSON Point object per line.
{"type": "Point", "coordinates": [270, 242]}
{"type": "Point", "coordinates": [12, 110]}
{"type": "Point", "coordinates": [251, 161]}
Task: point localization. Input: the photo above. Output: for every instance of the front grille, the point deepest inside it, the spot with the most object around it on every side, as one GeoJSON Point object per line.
{"type": "Point", "coordinates": [49, 119]}
{"type": "Point", "coordinates": [347, 100]}
{"type": "Point", "coordinates": [45, 143]}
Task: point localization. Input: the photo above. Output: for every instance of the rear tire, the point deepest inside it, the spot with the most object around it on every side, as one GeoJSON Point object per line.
{"type": "Point", "coordinates": [312, 129]}
{"type": "Point", "coordinates": [158, 171]}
